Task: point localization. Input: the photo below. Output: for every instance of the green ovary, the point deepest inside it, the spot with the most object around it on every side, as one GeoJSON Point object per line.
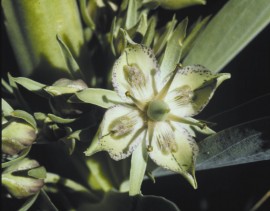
{"type": "Point", "coordinates": [157, 110]}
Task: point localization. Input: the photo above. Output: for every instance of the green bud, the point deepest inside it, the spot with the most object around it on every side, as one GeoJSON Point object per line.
{"type": "Point", "coordinates": [17, 135]}
{"type": "Point", "coordinates": [65, 86]}
{"type": "Point", "coordinates": [24, 178]}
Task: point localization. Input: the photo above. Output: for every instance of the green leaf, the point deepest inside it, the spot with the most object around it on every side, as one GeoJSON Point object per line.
{"type": "Point", "coordinates": [57, 90]}
{"type": "Point", "coordinates": [132, 14]}
{"type": "Point", "coordinates": [25, 116]}
{"type": "Point", "coordinates": [71, 63]}
{"type": "Point", "coordinates": [29, 202]}
{"type": "Point", "coordinates": [60, 120]}
{"type": "Point", "coordinates": [16, 92]}
{"type": "Point", "coordinates": [100, 97]}
{"type": "Point", "coordinates": [138, 166]}
{"type": "Point", "coordinates": [22, 155]}
{"type": "Point", "coordinates": [173, 49]}
{"type": "Point", "coordinates": [162, 40]}
{"type": "Point", "coordinates": [236, 24]}
{"type": "Point", "coordinates": [150, 32]}
{"type": "Point", "coordinates": [6, 108]}
{"type": "Point", "coordinates": [245, 143]}
{"type": "Point", "coordinates": [31, 85]}
{"type": "Point", "coordinates": [38, 173]}
{"type": "Point", "coordinates": [191, 37]}
{"type": "Point", "coordinates": [86, 17]}
{"type": "Point", "coordinates": [32, 26]}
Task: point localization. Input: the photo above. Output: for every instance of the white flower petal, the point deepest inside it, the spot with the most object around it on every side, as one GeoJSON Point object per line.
{"type": "Point", "coordinates": [135, 71]}
{"type": "Point", "coordinates": [121, 131]}
{"type": "Point", "coordinates": [191, 89]}
{"type": "Point", "coordinates": [174, 148]}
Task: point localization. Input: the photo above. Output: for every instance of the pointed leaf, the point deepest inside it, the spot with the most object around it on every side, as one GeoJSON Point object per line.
{"type": "Point", "coordinates": [100, 97]}
{"type": "Point", "coordinates": [71, 63]}
{"type": "Point", "coordinates": [6, 108]}
{"type": "Point", "coordinates": [228, 33]}
{"type": "Point", "coordinates": [173, 49]}
{"type": "Point", "coordinates": [25, 116]}
{"type": "Point", "coordinates": [60, 120]}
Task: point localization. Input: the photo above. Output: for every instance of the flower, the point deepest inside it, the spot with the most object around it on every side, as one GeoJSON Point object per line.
{"type": "Point", "coordinates": [154, 111]}
{"type": "Point", "coordinates": [24, 178]}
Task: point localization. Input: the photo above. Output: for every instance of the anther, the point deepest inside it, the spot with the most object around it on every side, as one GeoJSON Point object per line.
{"type": "Point", "coordinates": [149, 148]}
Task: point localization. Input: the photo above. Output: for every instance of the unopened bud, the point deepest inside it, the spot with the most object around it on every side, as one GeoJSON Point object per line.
{"type": "Point", "coordinates": [24, 178]}
{"type": "Point", "coordinates": [17, 135]}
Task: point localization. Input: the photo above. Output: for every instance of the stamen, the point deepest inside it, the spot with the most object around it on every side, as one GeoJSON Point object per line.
{"type": "Point", "coordinates": [151, 126]}
{"type": "Point", "coordinates": [186, 121]}
{"type": "Point", "coordinates": [161, 95]}
{"type": "Point", "coordinates": [139, 104]}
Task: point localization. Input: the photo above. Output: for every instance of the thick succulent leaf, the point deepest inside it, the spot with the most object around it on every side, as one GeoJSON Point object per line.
{"type": "Point", "coordinates": [173, 49]}
{"type": "Point", "coordinates": [134, 71]}
{"type": "Point", "coordinates": [162, 40]}
{"type": "Point", "coordinates": [228, 33]}
{"type": "Point", "coordinates": [150, 32]}
{"type": "Point", "coordinates": [130, 203]}
{"type": "Point", "coordinates": [120, 132]}
{"type": "Point", "coordinates": [29, 84]}
{"type": "Point", "coordinates": [100, 97]}
{"type": "Point", "coordinates": [6, 108]}
{"type": "Point", "coordinates": [71, 63]}
{"type": "Point", "coordinates": [192, 36]}
{"type": "Point", "coordinates": [60, 120]}
{"type": "Point", "coordinates": [192, 88]}
{"type": "Point", "coordinates": [240, 144]}
{"type": "Point", "coordinates": [85, 15]}
{"type": "Point", "coordinates": [178, 4]}
{"type": "Point", "coordinates": [35, 45]}
{"type": "Point", "coordinates": [132, 14]}
{"type": "Point", "coordinates": [173, 148]}
{"type": "Point", "coordinates": [25, 116]}
{"type": "Point", "coordinates": [21, 155]}
{"type": "Point", "coordinates": [137, 170]}
{"type": "Point", "coordinates": [32, 86]}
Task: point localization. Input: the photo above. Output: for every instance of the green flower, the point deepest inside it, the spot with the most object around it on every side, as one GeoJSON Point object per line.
{"type": "Point", "coordinates": [24, 178]}
{"type": "Point", "coordinates": [153, 113]}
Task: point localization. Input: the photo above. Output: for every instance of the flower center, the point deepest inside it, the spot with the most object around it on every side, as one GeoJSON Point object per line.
{"type": "Point", "coordinates": [157, 110]}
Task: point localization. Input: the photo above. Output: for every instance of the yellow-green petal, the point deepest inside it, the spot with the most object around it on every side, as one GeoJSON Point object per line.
{"type": "Point", "coordinates": [191, 89]}
{"type": "Point", "coordinates": [173, 148]}
{"type": "Point", "coordinates": [135, 71]}
{"type": "Point", "coordinates": [120, 132]}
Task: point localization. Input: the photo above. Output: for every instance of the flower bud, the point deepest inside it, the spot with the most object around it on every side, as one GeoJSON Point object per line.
{"type": "Point", "coordinates": [24, 178]}
{"type": "Point", "coordinates": [17, 135]}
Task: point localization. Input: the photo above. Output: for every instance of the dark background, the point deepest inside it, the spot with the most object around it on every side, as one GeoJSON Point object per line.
{"type": "Point", "coordinates": [228, 188]}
